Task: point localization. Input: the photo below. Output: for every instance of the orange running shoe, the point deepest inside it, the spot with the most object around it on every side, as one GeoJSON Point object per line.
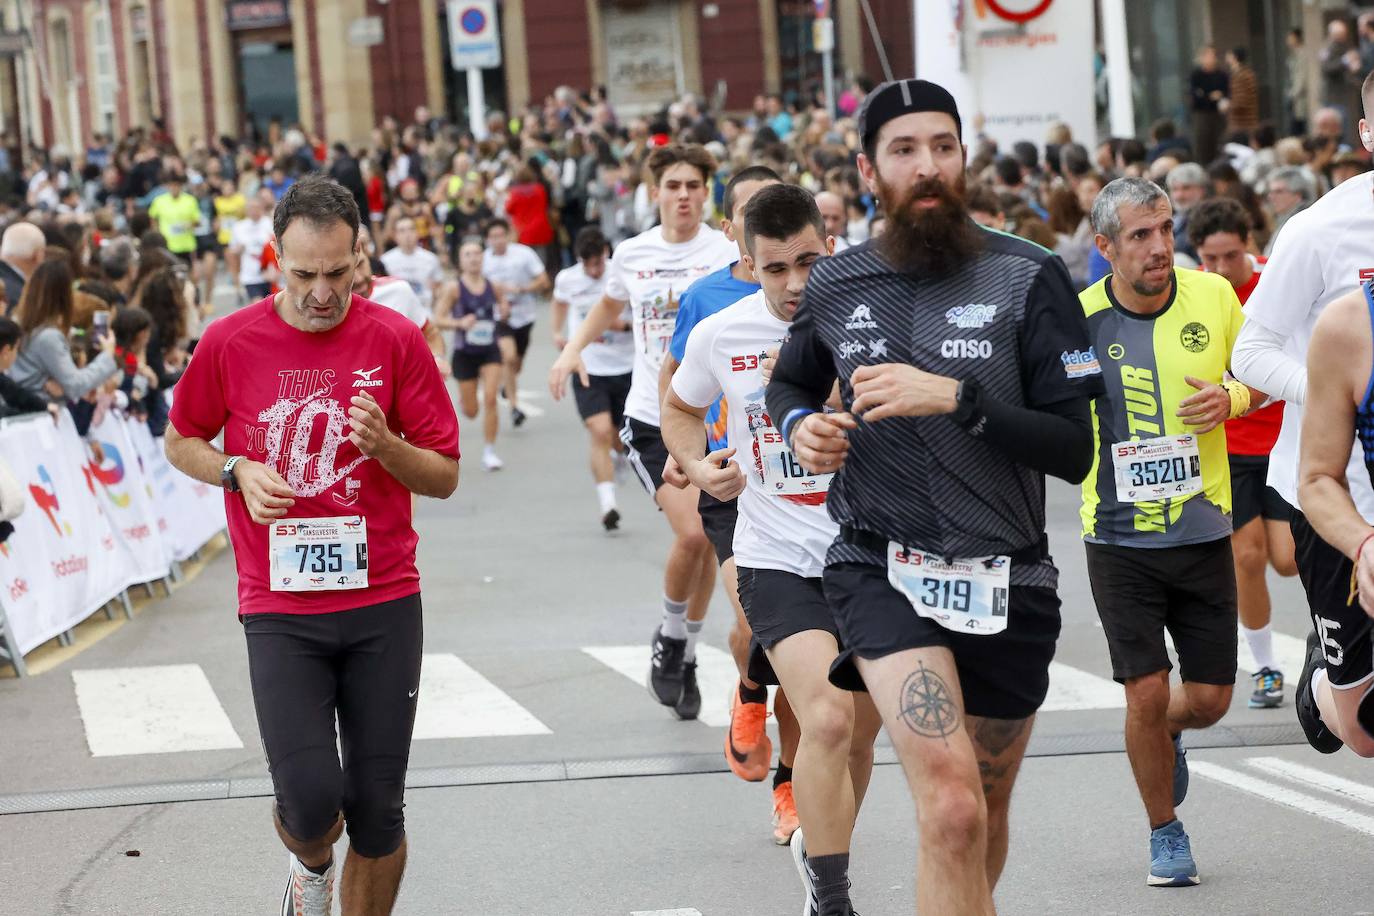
{"type": "Point", "coordinates": [785, 821]}
{"type": "Point", "coordinates": [748, 750]}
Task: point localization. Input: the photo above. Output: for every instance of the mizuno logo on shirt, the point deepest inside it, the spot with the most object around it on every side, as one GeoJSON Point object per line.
{"type": "Point", "coordinates": [861, 320]}
{"type": "Point", "coordinates": [365, 379]}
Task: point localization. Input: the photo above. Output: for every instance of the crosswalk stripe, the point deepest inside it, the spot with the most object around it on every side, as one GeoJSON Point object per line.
{"type": "Point", "coordinates": [1282, 795]}
{"type": "Point", "coordinates": [1072, 688]}
{"type": "Point", "coordinates": [716, 675]}
{"type": "Point", "coordinates": [151, 710]}
{"type": "Point", "coordinates": [1348, 789]}
{"type": "Point", "coordinates": [457, 702]}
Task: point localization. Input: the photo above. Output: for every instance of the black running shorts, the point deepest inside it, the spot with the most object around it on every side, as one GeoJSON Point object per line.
{"type": "Point", "coordinates": [467, 364]}
{"type": "Point", "coordinates": [646, 452]}
{"type": "Point", "coordinates": [1251, 497]}
{"type": "Point", "coordinates": [1005, 676]}
{"type": "Point", "coordinates": [718, 520]}
{"type": "Point", "coordinates": [363, 666]}
{"type": "Point", "coordinates": [1342, 625]}
{"type": "Point", "coordinates": [777, 605]}
{"type": "Point", "coordinates": [1189, 590]}
{"type": "Point", "coordinates": [602, 394]}
{"type": "Point", "coordinates": [521, 336]}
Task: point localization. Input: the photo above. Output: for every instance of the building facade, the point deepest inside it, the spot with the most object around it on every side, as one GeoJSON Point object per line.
{"type": "Point", "coordinates": [72, 68]}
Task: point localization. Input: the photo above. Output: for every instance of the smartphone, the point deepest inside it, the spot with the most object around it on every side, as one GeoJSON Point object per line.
{"type": "Point", "coordinates": [100, 322]}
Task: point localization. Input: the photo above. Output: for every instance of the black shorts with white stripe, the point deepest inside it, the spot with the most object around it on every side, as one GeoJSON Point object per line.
{"type": "Point", "coordinates": [646, 452]}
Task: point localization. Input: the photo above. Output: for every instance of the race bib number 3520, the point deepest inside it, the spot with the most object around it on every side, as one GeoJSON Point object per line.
{"type": "Point", "coordinates": [965, 596]}
{"type": "Point", "coordinates": [1167, 467]}
{"type": "Point", "coordinates": [318, 554]}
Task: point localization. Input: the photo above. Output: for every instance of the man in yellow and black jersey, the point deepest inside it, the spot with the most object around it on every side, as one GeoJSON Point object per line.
{"type": "Point", "coordinates": [1157, 502]}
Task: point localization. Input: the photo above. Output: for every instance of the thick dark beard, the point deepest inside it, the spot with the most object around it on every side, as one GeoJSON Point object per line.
{"type": "Point", "coordinates": [927, 242]}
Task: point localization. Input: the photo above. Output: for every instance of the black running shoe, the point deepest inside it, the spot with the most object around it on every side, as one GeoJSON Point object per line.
{"type": "Point", "coordinates": [665, 668]}
{"type": "Point", "coordinates": [517, 416]}
{"type": "Point", "coordinates": [611, 520]}
{"type": "Point", "coordinates": [1309, 716]}
{"type": "Point", "coordinates": [689, 705]}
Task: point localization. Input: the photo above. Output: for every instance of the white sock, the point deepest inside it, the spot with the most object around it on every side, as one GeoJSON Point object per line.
{"type": "Point", "coordinates": [674, 618]}
{"type": "Point", "coordinates": [1317, 677]}
{"type": "Point", "coordinates": [489, 449]}
{"type": "Point", "coordinates": [693, 634]}
{"type": "Point", "coordinates": [605, 494]}
{"type": "Point", "coordinates": [1261, 645]}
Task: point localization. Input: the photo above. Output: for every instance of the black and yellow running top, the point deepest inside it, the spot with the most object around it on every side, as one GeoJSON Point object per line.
{"type": "Point", "coordinates": [1144, 360]}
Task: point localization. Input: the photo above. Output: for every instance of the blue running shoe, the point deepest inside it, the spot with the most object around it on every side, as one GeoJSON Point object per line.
{"type": "Point", "coordinates": [1268, 689]}
{"type": "Point", "coordinates": [1180, 771]}
{"type": "Point", "coordinates": [1171, 857]}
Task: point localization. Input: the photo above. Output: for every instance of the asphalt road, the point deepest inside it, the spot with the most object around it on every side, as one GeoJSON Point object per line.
{"type": "Point", "coordinates": [545, 781]}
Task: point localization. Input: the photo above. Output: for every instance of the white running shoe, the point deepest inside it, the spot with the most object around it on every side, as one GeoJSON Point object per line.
{"type": "Point", "coordinates": [619, 465]}
{"type": "Point", "coordinates": [308, 894]}
{"type": "Point", "coordinates": [490, 460]}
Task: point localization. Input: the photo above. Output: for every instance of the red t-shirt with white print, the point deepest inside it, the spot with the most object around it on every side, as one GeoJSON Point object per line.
{"type": "Point", "coordinates": [281, 396]}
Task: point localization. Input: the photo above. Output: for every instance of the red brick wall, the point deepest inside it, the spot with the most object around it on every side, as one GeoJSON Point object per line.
{"type": "Point", "coordinates": [158, 27]}
{"type": "Point", "coordinates": [121, 62]}
{"type": "Point", "coordinates": [316, 87]}
{"type": "Point", "coordinates": [731, 49]}
{"type": "Point", "coordinates": [398, 73]}
{"type": "Point", "coordinates": [207, 76]}
{"type": "Point", "coordinates": [899, 40]}
{"type": "Point", "coordinates": [558, 46]}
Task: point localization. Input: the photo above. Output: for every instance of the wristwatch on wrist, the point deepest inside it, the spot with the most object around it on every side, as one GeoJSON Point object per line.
{"type": "Point", "coordinates": [967, 401]}
{"type": "Point", "coordinates": [226, 474]}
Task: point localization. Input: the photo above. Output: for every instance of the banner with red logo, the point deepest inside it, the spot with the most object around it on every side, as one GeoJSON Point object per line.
{"type": "Point", "coordinates": [92, 527]}
{"type": "Point", "coordinates": [63, 560]}
{"type": "Point", "coordinates": [124, 492]}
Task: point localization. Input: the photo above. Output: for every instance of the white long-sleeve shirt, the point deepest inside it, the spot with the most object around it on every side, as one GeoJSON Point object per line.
{"type": "Point", "coordinates": [1320, 254]}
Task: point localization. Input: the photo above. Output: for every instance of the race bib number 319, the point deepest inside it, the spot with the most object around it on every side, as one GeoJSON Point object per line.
{"type": "Point", "coordinates": [318, 554]}
{"type": "Point", "coordinates": [965, 596]}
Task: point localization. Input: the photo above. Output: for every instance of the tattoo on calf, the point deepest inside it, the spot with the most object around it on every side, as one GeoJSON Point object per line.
{"type": "Point", "coordinates": [927, 704]}
{"type": "Point", "coordinates": [992, 738]}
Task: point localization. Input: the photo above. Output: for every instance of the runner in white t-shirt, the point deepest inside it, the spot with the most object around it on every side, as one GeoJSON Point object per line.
{"type": "Point", "coordinates": [1320, 255]}
{"type": "Point", "coordinates": [609, 360]}
{"type": "Point", "coordinates": [783, 531]}
{"type": "Point", "coordinates": [648, 273]}
{"type": "Point", "coordinates": [246, 241]}
{"type": "Point", "coordinates": [397, 295]}
{"type": "Point", "coordinates": [417, 266]}
{"type": "Point", "coordinates": [519, 275]}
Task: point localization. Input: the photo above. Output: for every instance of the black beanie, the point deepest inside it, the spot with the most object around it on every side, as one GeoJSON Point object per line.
{"type": "Point", "coordinates": [899, 97]}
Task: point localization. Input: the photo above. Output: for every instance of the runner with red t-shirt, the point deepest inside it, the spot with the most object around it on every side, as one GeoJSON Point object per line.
{"type": "Point", "coordinates": [1220, 231]}
{"type": "Point", "coordinates": [333, 412]}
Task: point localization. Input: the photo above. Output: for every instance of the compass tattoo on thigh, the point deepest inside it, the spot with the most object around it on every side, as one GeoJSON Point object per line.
{"type": "Point", "coordinates": [927, 704]}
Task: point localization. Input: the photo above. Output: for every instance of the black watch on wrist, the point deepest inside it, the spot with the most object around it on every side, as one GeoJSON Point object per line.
{"type": "Point", "coordinates": [226, 474]}
{"type": "Point", "coordinates": [968, 399]}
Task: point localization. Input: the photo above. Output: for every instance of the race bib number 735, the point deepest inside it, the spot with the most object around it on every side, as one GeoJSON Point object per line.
{"type": "Point", "coordinates": [318, 554]}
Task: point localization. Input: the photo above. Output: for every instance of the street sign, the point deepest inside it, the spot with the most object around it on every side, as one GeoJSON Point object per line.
{"type": "Point", "coordinates": [365, 31]}
{"type": "Point", "coordinates": [474, 41]}
{"type": "Point", "coordinates": [823, 36]}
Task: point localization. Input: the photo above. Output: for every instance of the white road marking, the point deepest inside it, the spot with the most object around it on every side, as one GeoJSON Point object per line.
{"type": "Point", "coordinates": [716, 675]}
{"type": "Point", "coordinates": [1071, 688]}
{"type": "Point", "coordinates": [457, 702]}
{"type": "Point", "coordinates": [1282, 795]}
{"type": "Point", "coordinates": [151, 710]}
{"type": "Point", "coordinates": [681, 911]}
{"type": "Point", "coordinates": [1348, 789]}
{"type": "Point", "coordinates": [1290, 653]}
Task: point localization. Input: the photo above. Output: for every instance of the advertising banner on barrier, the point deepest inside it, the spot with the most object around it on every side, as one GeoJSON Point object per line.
{"type": "Point", "coordinates": [190, 512]}
{"type": "Point", "coordinates": [63, 560]}
{"type": "Point", "coordinates": [121, 484]}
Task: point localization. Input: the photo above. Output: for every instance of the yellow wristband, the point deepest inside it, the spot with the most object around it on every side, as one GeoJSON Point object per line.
{"type": "Point", "coordinates": [1240, 397]}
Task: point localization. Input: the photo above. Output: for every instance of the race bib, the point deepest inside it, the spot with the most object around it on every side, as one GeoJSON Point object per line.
{"type": "Point", "coordinates": [782, 474]}
{"type": "Point", "coordinates": [658, 332]}
{"type": "Point", "coordinates": [318, 554]}
{"type": "Point", "coordinates": [1152, 469]}
{"type": "Point", "coordinates": [481, 334]}
{"type": "Point", "coordinates": [965, 596]}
